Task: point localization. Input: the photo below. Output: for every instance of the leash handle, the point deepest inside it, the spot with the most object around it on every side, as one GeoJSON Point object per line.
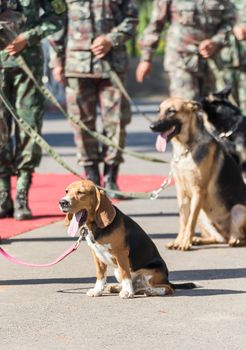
{"type": "Point", "coordinates": [56, 261]}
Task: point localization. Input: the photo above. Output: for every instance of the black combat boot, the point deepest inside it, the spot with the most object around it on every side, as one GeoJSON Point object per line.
{"type": "Point", "coordinates": [92, 173]}
{"type": "Point", "coordinates": [110, 180]}
{"type": "Point", "coordinates": [21, 208]}
{"type": "Point", "coordinates": [6, 204]}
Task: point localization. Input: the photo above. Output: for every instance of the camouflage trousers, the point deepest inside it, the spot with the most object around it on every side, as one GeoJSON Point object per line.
{"type": "Point", "coordinates": [190, 85]}
{"type": "Point", "coordinates": [83, 95]}
{"type": "Point", "coordinates": [21, 154]}
{"type": "Point", "coordinates": [236, 78]}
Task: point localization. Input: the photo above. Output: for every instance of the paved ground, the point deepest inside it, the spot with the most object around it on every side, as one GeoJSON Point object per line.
{"type": "Point", "coordinates": [48, 308]}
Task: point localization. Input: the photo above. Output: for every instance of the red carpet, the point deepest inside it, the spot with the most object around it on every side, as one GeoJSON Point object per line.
{"type": "Point", "coordinates": [46, 191]}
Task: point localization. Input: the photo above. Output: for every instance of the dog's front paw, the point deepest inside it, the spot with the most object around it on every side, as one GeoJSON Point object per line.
{"type": "Point", "coordinates": [177, 245]}
{"type": "Point", "coordinates": [126, 294]}
{"type": "Point", "coordinates": [196, 241]}
{"type": "Point", "coordinates": [236, 242]}
{"type": "Point", "coordinates": [94, 292]}
{"type": "Point", "coordinates": [172, 245]}
{"type": "Point", "coordinates": [184, 246]}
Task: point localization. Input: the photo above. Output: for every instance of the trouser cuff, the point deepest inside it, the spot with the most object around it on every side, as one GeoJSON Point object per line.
{"type": "Point", "coordinates": [24, 180]}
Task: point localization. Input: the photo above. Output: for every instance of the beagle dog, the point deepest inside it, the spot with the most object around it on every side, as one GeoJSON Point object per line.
{"type": "Point", "coordinates": [116, 240]}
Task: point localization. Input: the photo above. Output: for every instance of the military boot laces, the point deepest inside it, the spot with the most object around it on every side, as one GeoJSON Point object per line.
{"type": "Point", "coordinates": [92, 173]}
{"type": "Point", "coordinates": [6, 204]}
{"type": "Point", "coordinates": [21, 209]}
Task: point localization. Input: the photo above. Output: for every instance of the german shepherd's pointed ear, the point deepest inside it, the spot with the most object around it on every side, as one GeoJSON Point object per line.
{"type": "Point", "coordinates": [193, 106]}
{"type": "Point", "coordinates": [223, 94]}
{"type": "Point", "coordinates": [68, 218]}
{"type": "Point", "coordinates": [105, 212]}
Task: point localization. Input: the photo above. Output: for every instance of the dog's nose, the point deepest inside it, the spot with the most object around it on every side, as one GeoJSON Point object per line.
{"type": "Point", "coordinates": [64, 203]}
{"type": "Point", "coordinates": [153, 126]}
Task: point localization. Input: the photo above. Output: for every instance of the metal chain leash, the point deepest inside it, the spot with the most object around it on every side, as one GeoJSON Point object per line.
{"type": "Point", "coordinates": [44, 145]}
{"type": "Point", "coordinates": [118, 83]}
{"type": "Point", "coordinates": [101, 138]}
{"type": "Point", "coordinates": [34, 135]}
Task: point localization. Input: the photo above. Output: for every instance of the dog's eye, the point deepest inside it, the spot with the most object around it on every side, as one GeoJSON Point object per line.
{"type": "Point", "coordinates": [80, 193]}
{"type": "Point", "coordinates": [170, 111]}
{"type": "Point", "coordinates": [66, 191]}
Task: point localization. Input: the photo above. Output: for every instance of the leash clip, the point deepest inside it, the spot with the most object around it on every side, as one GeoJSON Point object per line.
{"type": "Point", "coordinates": [155, 194]}
{"type": "Point", "coordinates": [82, 233]}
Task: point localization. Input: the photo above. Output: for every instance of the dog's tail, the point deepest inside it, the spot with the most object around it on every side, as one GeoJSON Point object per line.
{"type": "Point", "coordinates": [188, 285]}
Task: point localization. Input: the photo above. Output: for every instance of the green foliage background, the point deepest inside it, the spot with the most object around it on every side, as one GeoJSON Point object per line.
{"type": "Point", "coordinates": [144, 12]}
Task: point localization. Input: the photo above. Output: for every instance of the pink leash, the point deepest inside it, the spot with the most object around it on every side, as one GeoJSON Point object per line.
{"type": "Point", "coordinates": [56, 261]}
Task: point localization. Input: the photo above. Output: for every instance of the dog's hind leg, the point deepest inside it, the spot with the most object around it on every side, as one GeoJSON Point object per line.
{"type": "Point", "coordinates": [141, 285]}
{"type": "Point", "coordinates": [158, 291]}
{"type": "Point", "coordinates": [151, 282]}
{"type": "Point", "coordinates": [209, 234]}
{"type": "Point", "coordinates": [238, 226]}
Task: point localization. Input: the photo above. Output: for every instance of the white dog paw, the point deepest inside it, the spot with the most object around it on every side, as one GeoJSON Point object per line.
{"type": "Point", "coordinates": [125, 294]}
{"type": "Point", "coordinates": [94, 292]}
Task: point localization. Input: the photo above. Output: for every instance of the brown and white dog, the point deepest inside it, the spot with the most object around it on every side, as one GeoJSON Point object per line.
{"type": "Point", "coordinates": [116, 240]}
{"type": "Point", "coordinates": [208, 180]}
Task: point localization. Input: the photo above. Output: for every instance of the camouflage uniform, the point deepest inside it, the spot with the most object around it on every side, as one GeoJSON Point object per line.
{"type": "Point", "coordinates": [190, 23]}
{"type": "Point", "coordinates": [232, 60]}
{"type": "Point", "coordinates": [22, 158]}
{"type": "Point", "coordinates": [87, 81]}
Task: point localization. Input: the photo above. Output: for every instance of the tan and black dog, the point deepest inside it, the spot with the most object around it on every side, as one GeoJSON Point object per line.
{"type": "Point", "coordinates": [208, 180]}
{"type": "Point", "coordinates": [116, 240]}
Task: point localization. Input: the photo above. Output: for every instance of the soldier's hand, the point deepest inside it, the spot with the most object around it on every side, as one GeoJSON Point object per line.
{"type": "Point", "coordinates": [17, 45]}
{"type": "Point", "coordinates": [207, 48]}
{"type": "Point", "coordinates": [58, 74]}
{"type": "Point", "coordinates": [143, 70]}
{"type": "Point", "coordinates": [240, 32]}
{"type": "Point", "coordinates": [101, 46]}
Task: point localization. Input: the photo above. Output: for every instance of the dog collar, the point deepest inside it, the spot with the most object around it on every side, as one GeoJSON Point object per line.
{"type": "Point", "coordinates": [229, 132]}
{"type": "Point", "coordinates": [178, 157]}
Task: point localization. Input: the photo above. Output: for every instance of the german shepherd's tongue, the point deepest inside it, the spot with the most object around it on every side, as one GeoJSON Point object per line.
{"type": "Point", "coordinates": [161, 142]}
{"type": "Point", "coordinates": [74, 224]}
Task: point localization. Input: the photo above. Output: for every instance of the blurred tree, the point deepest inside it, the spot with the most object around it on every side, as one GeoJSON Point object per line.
{"type": "Point", "coordinates": [145, 8]}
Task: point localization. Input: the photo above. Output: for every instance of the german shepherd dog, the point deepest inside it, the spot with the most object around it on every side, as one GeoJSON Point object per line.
{"type": "Point", "coordinates": [208, 180]}
{"type": "Point", "coordinates": [227, 123]}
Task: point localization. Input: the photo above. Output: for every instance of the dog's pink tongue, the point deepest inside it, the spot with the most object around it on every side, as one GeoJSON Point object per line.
{"type": "Point", "coordinates": [74, 224]}
{"type": "Point", "coordinates": [161, 142]}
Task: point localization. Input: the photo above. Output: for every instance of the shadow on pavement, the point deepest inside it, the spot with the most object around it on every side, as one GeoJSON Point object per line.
{"type": "Point", "coordinates": [154, 214]}
{"type": "Point", "coordinates": [43, 281]}
{"type": "Point", "coordinates": [206, 292]}
{"type": "Point", "coordinates": [202, 275]}
{"type": "Point", "coordinates": [195, 275]}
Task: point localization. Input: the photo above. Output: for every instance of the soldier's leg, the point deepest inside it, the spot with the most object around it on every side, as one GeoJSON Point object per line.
{"type": "Point", "coordinates": [232, 78]}
{"type": "Point", "coordinates": [183, 83]}
{"type": "Point", "coordinates": [6, 150]}
{"type": "Point", "coordinates": [242, 89]}
{"type": "Point", "coordinates": [81, 96]}
{"type": "Point", "coordinates": [30, 107]}
{"type": "Point", "coordinates": [206, 81]}
{"type": "Point", "coordinates": [116, 114]}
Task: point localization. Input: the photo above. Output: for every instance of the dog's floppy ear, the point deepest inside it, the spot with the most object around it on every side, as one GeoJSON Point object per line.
{"type": "Point", "coordinates": [105, 212]}
{"type": "Point", "coordinates": [68, 218]}
{"type": "Point", "coordinates": [193, 106]}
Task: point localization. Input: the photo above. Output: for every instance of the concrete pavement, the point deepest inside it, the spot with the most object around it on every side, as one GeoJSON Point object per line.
{"type": "Point", "coordinates": [48, 308]}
